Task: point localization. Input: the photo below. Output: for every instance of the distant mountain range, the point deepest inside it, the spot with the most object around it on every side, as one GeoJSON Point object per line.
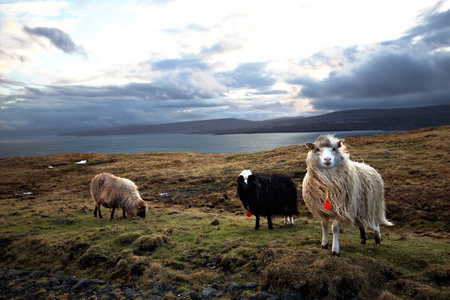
{"type": "Point", "coordinates": [360, 119]}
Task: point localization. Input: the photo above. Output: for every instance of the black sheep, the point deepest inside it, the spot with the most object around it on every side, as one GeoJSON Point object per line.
{"type": "Point", "coordinates": [267, 196]}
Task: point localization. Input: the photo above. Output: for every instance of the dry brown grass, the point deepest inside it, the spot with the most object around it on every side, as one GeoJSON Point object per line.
{"type": "Point", "coordinates": [177, 244]}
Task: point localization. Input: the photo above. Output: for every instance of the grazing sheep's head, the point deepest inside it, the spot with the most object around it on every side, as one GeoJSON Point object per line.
{"type": "Point", "coordinates": [139, 210]}
{"type": "Point", "coordinates": [142, 209]}
{"type": "Point", "coordinates": [326, 152]}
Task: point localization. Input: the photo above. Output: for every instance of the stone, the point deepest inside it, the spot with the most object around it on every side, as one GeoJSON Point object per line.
{"type": "Point", "coordinates": [208, 293]}
{"type": "Point", "coordinates": [251, 286]}
{"type": "Point", "coordinates": [232, 287]}
{"type": "Point", "coordinates": [215, 222]}
{"type": "Point", "coordinates": [129, 293]}
{"type": "Point", "coordinates": [14, 273]}
{"type": "Point", "coordinates": [81, 284]}
{"type": "Point", "coordinates": [291, 294]}
{"type": "Point", "coordinates": [159, 288]}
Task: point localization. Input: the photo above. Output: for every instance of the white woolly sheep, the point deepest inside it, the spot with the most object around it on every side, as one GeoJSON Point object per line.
{"type": "Point", "coordinates": [115, 192]}
{"type": "Point", "coordinates": [268, 195]}
{"type": "Point", "coordinates": [355, 190]}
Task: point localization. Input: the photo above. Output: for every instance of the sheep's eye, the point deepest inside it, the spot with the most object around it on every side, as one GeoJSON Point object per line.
{"type": "Point", "coordinates": [317, 149]}
{"type": "Point", "coordinates": [334, 149]}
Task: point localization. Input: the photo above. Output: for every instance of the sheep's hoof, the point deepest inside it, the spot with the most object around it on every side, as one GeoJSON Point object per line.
{"type": "Point", "coordinates": [363, 241]}
{"type": "Point", "coordinates": [377, 244]}
{"type": "Point", "coordinates": [324, 246]}
{"type": "Point", "coordinates": [334, 254]}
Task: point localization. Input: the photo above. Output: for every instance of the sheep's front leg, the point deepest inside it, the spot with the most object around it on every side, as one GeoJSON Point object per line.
{"type": "Point", "coordinates": [257, 222]}
{"type": "Point", "coordinates": [335, 249]}
{"type": "Point", "coordinates": [269, 220]}
{"type": "Point", "coordinates": [112, 213]}
{"type": "Point", "coordinates": [362, 232]}
{"type": "Point", "coordinates": [123, 211]}
{"type": "Point", "coordinates": [325, 234]}
{"type": "Point", "coordinates": [99, 212]}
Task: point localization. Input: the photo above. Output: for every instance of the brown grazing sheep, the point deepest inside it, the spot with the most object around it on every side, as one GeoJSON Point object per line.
{"type": "Point", "coordinates": [115, 192]}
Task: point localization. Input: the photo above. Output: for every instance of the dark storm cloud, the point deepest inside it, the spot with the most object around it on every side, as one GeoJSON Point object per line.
{"type": "Point", "coordinates": [434, 29]}
{"type": "Point", "coordinates": [250, 75]}
{"type": "Point", "coordinates": [131, 91]}
{"type": "Point", "coordinates": [59, 38]}
{"type": "Point", "coordinates": [90, 106]}
{"type": "Point", "coordinates": [411, 71]}
{"type": "Point", "coordinates": [387, 74]}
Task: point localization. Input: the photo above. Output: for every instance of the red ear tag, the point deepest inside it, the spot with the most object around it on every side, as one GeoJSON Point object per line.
{"type": "Point", "coordinates": [249, 214]}
{"type": "Point", "coordinates": [327, 205]}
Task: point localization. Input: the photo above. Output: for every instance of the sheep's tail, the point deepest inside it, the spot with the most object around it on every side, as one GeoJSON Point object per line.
{"type": "Point", "coordinates": [384, 221]}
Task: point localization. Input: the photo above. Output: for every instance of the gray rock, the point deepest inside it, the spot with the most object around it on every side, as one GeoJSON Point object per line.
{"type": "Point", "coordinates": [15, 273]}
{"type": "Point", "coordinates": [81, 284]}
{"type": "Point", "coordinates": [59, 287]}
{"type": "Point", "coordinates": [159, 288]}
{"type": "Point", "coordinates": [216, 285]}
{"type": "Point", "coordinates": [129, 293]}
{"type": "Point", "coordinates": [264, 296]}
{"type": "Point", "coordinates": [53, 282]}
{"type": "Point", "coordinates": [208, 293]}
{"type": "Point", "coordinates": [232, 287]}
{"type": "Point", "coordinates": [291, 294]}
{"type": "Point", "coordinates": [251, 286]}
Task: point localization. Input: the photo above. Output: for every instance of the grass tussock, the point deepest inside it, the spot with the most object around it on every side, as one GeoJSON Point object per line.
{"type": "Point", "coordinates": [47, 223]}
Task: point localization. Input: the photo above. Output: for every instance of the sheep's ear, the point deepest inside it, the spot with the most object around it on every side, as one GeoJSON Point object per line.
{"type": "Point", "coordinates": [251, 177]}
{"type": "Point", "coordinates": [340, 142]}
{"type": "Point", "coordinates": [240, 178]}
{"type": "Point", "coordinates": [310, 146]}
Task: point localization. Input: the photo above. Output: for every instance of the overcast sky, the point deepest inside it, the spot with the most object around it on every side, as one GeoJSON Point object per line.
{"type": "Point", "coordinates": [84, 64]}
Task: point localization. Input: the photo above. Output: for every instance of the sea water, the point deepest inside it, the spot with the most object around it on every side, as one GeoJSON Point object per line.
{"type": "Point", "coordinates": [137, 143]}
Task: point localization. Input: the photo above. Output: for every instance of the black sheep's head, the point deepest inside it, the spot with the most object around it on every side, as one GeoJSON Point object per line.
{"type": "Point", "coordinates": [246, 184]}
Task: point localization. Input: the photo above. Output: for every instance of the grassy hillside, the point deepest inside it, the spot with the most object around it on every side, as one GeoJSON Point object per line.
{"type": "Point", "coordinates": [47, 223]}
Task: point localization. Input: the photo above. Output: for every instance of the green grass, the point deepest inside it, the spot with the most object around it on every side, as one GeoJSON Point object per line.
{"type": "Point", "coordinates": [177, 244]}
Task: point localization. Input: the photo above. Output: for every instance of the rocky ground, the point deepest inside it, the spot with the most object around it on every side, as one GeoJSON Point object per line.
{"type": "Point", "coordinates": [18, 284]}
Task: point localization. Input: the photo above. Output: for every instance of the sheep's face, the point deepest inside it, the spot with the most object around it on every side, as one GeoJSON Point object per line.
{"type": "Point", "coordinates": [142, 209]}
{"type": "Point", "coordinates": [246, 183]}
{"type": "Point", "coordinates": [326, 152]}
{"type": "Point", "coordinates": [245, 180]}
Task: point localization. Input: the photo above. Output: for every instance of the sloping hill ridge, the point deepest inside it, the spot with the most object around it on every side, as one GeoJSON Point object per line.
{"type": "Point", "coordinates": [361, 119]}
